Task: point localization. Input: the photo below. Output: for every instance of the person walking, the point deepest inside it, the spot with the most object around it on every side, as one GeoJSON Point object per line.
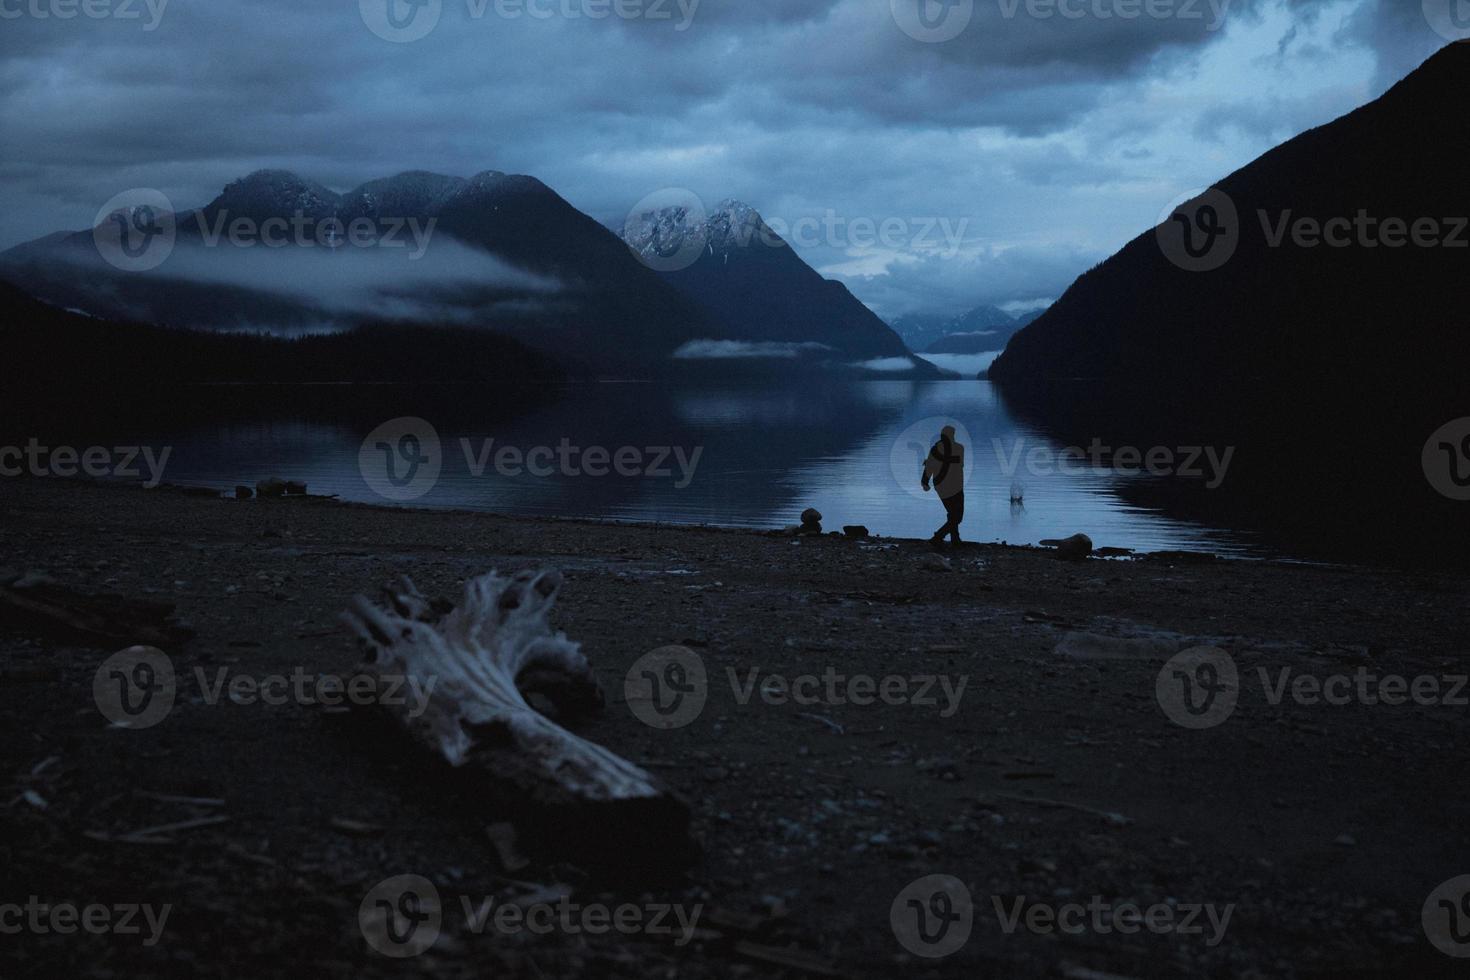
{"type": "Point", "coordinates": [945, 469]}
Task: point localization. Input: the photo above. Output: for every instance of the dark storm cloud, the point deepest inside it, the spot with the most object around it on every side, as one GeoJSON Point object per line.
{"type": "Point", "coordinates": [1053, 137]}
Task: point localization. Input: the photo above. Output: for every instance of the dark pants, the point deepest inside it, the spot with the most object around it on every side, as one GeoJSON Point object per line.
{"type": "Point", "coordinates": [954, 509]}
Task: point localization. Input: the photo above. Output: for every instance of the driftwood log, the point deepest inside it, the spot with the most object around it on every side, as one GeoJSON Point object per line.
{"type": "Point", "coordinates": [488, 658]}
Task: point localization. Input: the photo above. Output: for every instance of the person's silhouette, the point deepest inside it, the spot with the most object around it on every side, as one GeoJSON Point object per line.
{"type": "Point", "coordinates": [945, 468]}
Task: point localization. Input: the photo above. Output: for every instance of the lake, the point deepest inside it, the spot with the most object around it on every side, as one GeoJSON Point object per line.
{"type": "Point", "coordinates": [738, 456]}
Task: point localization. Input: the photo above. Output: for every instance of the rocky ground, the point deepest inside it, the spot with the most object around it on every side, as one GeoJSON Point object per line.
{"type": "Point", "coordinates": [1053, 778]}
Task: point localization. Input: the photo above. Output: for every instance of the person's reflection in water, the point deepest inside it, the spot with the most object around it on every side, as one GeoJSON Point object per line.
{"type": "Point", "coordinates": [945, 468]}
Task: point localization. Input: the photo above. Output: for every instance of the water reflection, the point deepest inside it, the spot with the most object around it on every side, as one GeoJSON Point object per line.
{"type": "Point", "coordinates": [760, 456]}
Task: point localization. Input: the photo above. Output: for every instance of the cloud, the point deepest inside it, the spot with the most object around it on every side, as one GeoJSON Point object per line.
{"type": "Point", "coordinates": [450, 282]}
{"type": "Point", "coordinates": [1055, 138]}
{"type": "Point", "coordinates": [985, 276]}
{"type": "Point", "coordinates": [729, 349]}
{"type": "Point", "coordinates": [885, 365]}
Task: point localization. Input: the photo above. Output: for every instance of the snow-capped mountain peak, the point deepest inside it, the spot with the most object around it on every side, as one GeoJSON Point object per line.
{"type": "Point", "coordinates": [649, 233]}
{"type": "Point", "coordinates": [729, 225]}
{"type": "Point", "coordinates": [734, 224]}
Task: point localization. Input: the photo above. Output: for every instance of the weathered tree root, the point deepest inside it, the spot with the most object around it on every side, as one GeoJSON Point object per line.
{"type": "Point", "coordinates": [482, 658]}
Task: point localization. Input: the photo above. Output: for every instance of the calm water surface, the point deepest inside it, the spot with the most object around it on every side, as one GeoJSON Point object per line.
{"type": "Point", "coordinates": [851, 450]}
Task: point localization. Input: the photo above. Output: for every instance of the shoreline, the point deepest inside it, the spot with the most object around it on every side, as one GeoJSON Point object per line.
{"type": "Point", "coordinates": [782, 532]}
{"type": "Point", "coordinates": [1058, 776]}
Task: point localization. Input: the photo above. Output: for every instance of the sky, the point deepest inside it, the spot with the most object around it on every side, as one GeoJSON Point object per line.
{"type": "Point", "coordinates": [933, 155]}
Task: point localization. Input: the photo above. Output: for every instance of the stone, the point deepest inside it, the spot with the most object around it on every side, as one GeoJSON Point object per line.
{"type": "Point", "coordinates": [1075, 548]}
{"type": "Point", "coordinates": [277, 487]}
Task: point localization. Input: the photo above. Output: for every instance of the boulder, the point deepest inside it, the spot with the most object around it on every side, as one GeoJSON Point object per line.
{"type": "Point", "coordinates": [277, 487]}
{"type": "Point", "coordinates": [856, 531]}
{"type": "Point", "coordinates": [1075, 548]}
{"type": "Point", "coordinates": [273, 487]}
{"type": "Point", "coordinates": [811, 521]}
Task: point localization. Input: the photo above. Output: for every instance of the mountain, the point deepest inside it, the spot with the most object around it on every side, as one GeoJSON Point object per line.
{"type": "Point", "coordinates": [983, 329]}
{"type": "Point", "coordinates": [919, 330]}
{"type": "Point", "coordinates": [414, 192]}
{"type": "Point", "coordinates": [274, 193]}
{"type": "Point", "coordinates": [1329, 365]}
{"type": "Point", "coordinates": [68, 351]}
{"type": "Point", "coordinates": [495, 251]}
{"type": "Point", "coordinates": [979, 319]}
{"type": "Point", "coordinates": [976, 342]}
{"type": "Point", "coordinates": [742, 274]}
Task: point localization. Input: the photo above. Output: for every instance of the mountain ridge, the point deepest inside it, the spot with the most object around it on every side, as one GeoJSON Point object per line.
{"type": "Point", "coordinates": [740, 271]}
{"type": "Point", "coordinates": [981, 325]}
{"type": "Point", "coordinates": [1306, 355]}
{"type": "Point", "coordinates": [604, 310]}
